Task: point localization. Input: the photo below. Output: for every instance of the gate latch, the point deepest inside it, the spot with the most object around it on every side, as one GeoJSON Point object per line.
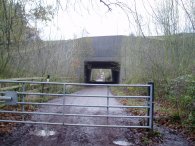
{"type": "Point", "coordinates": [10, 98]}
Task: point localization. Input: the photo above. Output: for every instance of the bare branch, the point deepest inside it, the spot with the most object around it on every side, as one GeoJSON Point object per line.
{"type": "Point", "coordinates": [190, 18]}
{"type": "Point", "coordinates": [107, 5]}
{"type": "Point", "coordinates": [137, 20]}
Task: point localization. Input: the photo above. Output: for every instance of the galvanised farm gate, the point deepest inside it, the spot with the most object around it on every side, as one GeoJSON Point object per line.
{"type": "Point", "coordinates": [16, 102]}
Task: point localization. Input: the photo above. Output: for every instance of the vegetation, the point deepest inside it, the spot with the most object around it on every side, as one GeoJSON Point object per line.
{"type": "Point", "coordinates": [16, 31]}
{"type": "Point", "coordinates": [169, 62]}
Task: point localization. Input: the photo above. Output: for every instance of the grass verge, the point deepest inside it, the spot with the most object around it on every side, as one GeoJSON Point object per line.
{"type": "Point", "coordinates": [165, 112]}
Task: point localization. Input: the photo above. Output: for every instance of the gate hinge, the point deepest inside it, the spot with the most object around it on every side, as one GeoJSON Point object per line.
{"type": "Point", "coordinates": [10, 98]}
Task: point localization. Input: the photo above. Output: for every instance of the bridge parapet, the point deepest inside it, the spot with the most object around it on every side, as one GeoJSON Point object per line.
{"type": "Point", "coordinates": [106, 48]}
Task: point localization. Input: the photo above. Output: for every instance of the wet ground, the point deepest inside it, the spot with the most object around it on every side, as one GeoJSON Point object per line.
{"type": "Point", "coordinates": [57, 135]}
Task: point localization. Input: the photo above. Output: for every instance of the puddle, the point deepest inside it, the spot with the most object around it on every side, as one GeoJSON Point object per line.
{"type": "Point", "coordinates": [122, 143]}
{"type": "Point", "coordinates": [45, 133]}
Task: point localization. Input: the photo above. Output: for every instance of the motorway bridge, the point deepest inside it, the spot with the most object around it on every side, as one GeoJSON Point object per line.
{"type": "Point", "coordinates": [106, 55]}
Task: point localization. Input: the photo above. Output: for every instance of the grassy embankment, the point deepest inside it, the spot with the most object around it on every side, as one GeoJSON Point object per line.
{"type": "Point", "coordinates": [168, 61]}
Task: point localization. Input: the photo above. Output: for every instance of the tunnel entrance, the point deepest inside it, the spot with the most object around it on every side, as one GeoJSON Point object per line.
{"type": "Point", "coordinates": [102, 72]}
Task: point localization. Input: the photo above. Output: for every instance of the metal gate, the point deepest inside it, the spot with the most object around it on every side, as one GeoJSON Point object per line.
{"type": "Point", "coordinates": [28, 99]}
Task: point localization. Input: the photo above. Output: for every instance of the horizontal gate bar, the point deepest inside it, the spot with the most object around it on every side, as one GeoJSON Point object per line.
{"type": "Point", "coordinates": [5, 98]}
{"type": "Point", "coordinates": [76, 95]}
{"type": "Point", "coordinates": [77, 105]}
{"type": "Point", "coordinates": [78, 84]}
{"type": "Point", "coordinates": [105, 96]}
{"type": "Point", "coordinates": [67, 124]}
{"type": "Point", "coordinates": [79, 115]}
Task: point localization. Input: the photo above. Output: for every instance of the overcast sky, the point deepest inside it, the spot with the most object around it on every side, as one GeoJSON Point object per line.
{"type": "Point", "coordinates": [86, 19]}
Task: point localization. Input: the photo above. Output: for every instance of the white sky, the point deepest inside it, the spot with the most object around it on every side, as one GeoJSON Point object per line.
{"type": "Point", "coordinates": [96, 20]}
{"type": "Point", "coordinates": [74, 25]}
{"type": "Point", "coordinates": [85, 19]}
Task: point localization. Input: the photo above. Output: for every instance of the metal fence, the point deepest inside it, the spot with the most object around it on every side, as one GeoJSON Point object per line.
{"type": "Point", "coordinates": [16, 103]}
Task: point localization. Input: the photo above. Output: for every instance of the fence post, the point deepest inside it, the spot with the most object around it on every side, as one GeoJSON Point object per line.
{"type": "Point", "coordinates": [107, 104]}
{"type": "Point", "coordinates": [23, 98]}
{"type": "Point", "coordinates": [64, 100]}
{"type": "Point", "coordinates": [150, 100]}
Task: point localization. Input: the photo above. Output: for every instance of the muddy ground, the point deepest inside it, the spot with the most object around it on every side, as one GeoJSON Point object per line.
{"type": "Point", "coordinates": [57, 135]}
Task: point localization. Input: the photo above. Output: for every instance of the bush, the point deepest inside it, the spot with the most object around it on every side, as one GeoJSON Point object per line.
{"type": "Point", "coordinates": [182, 95]}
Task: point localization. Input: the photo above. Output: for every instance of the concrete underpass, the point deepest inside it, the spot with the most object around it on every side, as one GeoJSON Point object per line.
{"type": "Point", "coordinates": [113, 66]}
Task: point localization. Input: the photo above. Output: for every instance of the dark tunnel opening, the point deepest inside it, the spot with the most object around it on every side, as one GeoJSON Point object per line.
{"type": "Point", "coordinates": [102, 72]}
